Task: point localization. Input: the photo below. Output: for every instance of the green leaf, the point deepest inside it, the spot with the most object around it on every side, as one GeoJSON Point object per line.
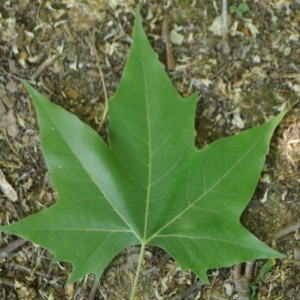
{"type": "Point", "coordinates": [234, 8]}
{"type": "Point", "coordinates": [243, 7]}
{"type": "Point", "coordinates": [240, 10]}
{"type": "Point", "coordinates": [151, 185]}
{"type": "Point", "coordinates": [261, 277]}
{"type": "Point", "coordinates": [265, 269]}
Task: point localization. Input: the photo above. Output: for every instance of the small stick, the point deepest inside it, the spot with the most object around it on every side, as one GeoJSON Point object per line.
{"type": "Point", "coordinates": [18, 267]}
{"type": "Point", "coordinates": [165, 34]}
{"type": "Point", "coordinates": [5, 251]}
{"type": "Point", "coordinates": [249, 270]}
{"type": "Point", "coordinates": [11, 147]}
{"type": "Point", "coordinates": [20, 39]}
{"type": "Point", "coordinates": [225, 48]}
{"type": "Point", "coordinates": [284, 232]}
{"type": "Point", "coordinates": [92, 36]}
{"type": "Point", "coordinates": [92, 293]}
{"type": "Point", "coordinates": [237, 272]}
{"type": "Point", "coordinates": [163, 261]}
{"type": "Point", "coordinates": [194, 287]}
{"type": "Point", "coordinates": [47, 62]}
{"type": "Point", "coordinates": [160, 265]}
{"type": "Point", "coordinates": [241, 282]}
{"type": "Point", "coordinates": [8, 282]}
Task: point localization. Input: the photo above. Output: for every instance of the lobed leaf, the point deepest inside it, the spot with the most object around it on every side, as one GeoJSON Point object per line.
{"type": "Point", "coordinates": [151, 185]}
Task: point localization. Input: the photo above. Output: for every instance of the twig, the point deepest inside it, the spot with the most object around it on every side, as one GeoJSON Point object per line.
{"type": "Point", "coordinates": [5, 251]}
{"type": "Point", "coordinates": [9, 75]}
{"type": "Point", "coordinates": [6, 281]}
{"type": "Point", "coordinates": [102, 81]}
{"type": "Point", "coordinates": [194, 287]}
{"type": "Point", "coordinates": [249, 270]}
{"type": "Point", "coordinates": [159, 266]}
{"type": "Point", "coordinates": [20, 38]}
{"type": "Point", "coordinates": [241, 282]}
{"type": "Point", "coordinates": [163, 261]}
{"type": "Point", "coordinates": [38, 19]}
{"type": "Point", "coordinates": [237, 272]}
{"type": "Point", "coordinates": [42, 67]}
{"type": "Point", "coordinates": [219, 71]}
{"type": "Point", "coordinates": [284, 232]}
{"type": "Point", "coordinates": [93, 290]}
{"type": "Point", "coordinates": [165, 34]}
{"type": "Point", "coordinates": [225, 48]}
{"type": "Point", "coordinates": [22, 268]}
{"type": "Point", "coordinates": [12, 148]}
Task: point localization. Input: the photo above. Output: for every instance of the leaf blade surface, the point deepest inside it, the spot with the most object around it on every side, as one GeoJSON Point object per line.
{"type": "Point", "coordinates": [151, 185]}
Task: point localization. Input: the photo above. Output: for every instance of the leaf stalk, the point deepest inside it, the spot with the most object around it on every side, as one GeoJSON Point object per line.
{"type": "Point", "coordinates": [138, 271]}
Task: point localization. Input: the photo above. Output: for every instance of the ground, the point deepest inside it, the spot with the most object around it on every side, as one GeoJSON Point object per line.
{"type": "Point", "coordinates": [242, 80]}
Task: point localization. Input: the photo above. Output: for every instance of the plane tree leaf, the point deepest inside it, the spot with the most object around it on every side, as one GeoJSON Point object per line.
{"type": "Point", "coordinates": [150, 185]}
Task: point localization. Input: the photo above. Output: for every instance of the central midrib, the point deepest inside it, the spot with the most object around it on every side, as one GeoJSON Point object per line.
{"type": "Point", "coordinates": [149, 149]}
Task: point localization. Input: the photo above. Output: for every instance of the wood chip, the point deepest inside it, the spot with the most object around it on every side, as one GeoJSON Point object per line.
{"type": "Point", "coordinates": [20, 36]}
{"type": "Point", "coordinates": [7, 189]}
{"type": "Point", "coordinates": [12, 66]}
{"type": "Point", "coordinates": [47, 62]}
{"type": "Point", "coordinates": [9, 122]}
{"type": "Point", "coordinates": [9, 103]}
{"type": "Point", "coordinates": [72, 93]}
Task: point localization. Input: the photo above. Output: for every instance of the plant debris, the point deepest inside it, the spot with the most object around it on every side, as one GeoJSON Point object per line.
{"type": "Point", "coordinates": [48, 43]}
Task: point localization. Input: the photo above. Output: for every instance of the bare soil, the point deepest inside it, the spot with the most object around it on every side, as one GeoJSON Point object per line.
{"type": "Point", "coordinates": [74, 53]}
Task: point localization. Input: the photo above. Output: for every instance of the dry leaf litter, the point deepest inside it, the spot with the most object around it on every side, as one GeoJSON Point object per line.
{"type": "Point", "coordinates": [74, 52]}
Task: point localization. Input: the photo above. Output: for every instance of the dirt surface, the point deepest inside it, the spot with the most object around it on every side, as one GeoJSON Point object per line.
{"type": "Point", "coordinates": [74, 52]}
